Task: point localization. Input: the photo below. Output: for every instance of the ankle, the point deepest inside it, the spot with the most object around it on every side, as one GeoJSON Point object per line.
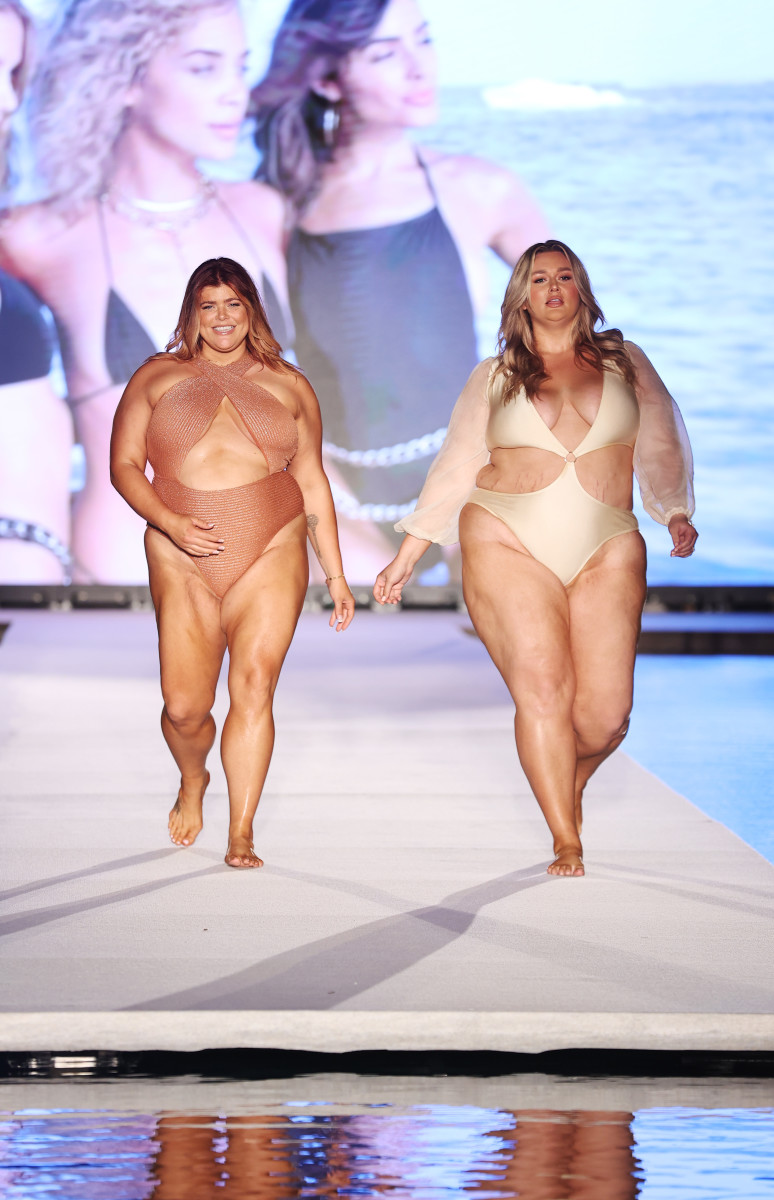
{"type": "Point", "coordinates": [568, 846]}
{"type": "Point", "coordinates": [247, 834]}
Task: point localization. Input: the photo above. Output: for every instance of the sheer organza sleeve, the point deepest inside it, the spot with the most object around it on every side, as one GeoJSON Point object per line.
{"type": "Point", "coordinates": [452, 476]}
{"type": "Point", "coordinates": [663, 462]}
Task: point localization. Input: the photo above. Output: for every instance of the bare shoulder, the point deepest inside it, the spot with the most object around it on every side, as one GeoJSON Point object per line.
{"type": "Point", "coordinates": [291, 387]}
{"type": "Point", "coordinates": [256, 202]}
{"type": "Point", "coordinates": [471, 173]}
{"type": "Point", "coordinates": [34, 233]}
{"type": "Point", "coordinates": [155, 377]}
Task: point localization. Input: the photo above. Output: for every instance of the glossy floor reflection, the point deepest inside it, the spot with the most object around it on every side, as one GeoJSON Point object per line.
{"type": "Point", "coordinates": [427, 1152]}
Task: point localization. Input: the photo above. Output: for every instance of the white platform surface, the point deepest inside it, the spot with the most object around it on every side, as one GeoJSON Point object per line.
{"type": "Point", "coordinates": [404, 904]}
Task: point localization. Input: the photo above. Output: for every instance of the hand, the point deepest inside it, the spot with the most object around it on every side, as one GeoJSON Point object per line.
{"type": "Point", "coordinates": [683, 536]}
{"type": "Point", "coordinates": [193, 536]}
{"type": "Point", "coordinates": [343, 604]}
{"type": "Point", "coordinates": [390, 582]}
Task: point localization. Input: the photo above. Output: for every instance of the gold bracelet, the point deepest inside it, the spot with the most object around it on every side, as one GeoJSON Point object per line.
{"type": "Point", "coordinates": [330, 578]}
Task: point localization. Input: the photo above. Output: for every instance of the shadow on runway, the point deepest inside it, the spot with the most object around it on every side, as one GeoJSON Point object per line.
{"type": "Point", "coordinates": [56, 912]}
{"type": "Point", "coordinates": [329, 972]}
{"type": "Point", "coordinates": [115, 864]}
{"type": "Point", "coordinates": [332, 970]}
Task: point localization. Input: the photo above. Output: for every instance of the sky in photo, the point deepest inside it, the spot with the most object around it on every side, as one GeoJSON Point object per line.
{"type": "Point", "coordinates": [631, 43]}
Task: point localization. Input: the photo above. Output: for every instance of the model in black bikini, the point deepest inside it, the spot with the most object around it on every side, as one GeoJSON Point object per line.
{"type": "Point", "coordinates": [34, 503]}
{"type": "Point", "coordinates": [129, 215]}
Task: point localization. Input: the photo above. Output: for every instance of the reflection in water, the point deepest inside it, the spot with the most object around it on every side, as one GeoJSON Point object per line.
{"type": "Point", "coordinates": [427, 1152]}
{"type": "Point", "coordinates": [535, 1155]}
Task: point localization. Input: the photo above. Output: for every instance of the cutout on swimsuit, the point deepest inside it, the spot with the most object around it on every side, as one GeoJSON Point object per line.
{"type": "Point", "coordinates": [561, 524]}
{"type": "Point", "coordinates": [247, 517]}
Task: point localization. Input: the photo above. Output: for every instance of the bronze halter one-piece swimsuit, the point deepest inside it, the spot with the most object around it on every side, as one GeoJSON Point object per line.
{"type": "Point", "coordinates": [246, 517]}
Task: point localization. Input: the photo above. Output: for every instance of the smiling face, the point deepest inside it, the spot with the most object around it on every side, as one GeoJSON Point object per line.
{"type": "Point", "coordinates": [11, 61]}
{"type": "Point", "coordinates": [193, 93]}
{"type": "Point", "coordinates": [223, 320]}
{"type": "Point", "coordinates": [553, 293]}
{"type": "Point", "coordinates": [391, 81]}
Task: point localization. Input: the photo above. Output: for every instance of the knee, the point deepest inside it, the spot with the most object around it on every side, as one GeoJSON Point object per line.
{"type": "Point", "coordinates": [186, 713]}
{"type": "Point", "coordinates": [251, 686]}
{"type": "Point", "coordinates": [601, 730]}
{"type": "Point", "coordinates": [545, 694]}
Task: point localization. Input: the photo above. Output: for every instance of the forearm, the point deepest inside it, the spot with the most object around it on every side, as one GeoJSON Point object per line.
{"type": "Point", "coordinates": [411, 550]}
{"type": "Point", "coordinates": [134, 486]}
{"type": "Point", "coordinates": [322, 528]}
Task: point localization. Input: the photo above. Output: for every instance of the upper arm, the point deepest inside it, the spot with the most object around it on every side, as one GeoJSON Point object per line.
{"type": "Point", "coordinates": [308, 457]}
{"type": "Point", "coordinates": [128, 443]}
{"type": "Point", "coordinates": [517, 219]}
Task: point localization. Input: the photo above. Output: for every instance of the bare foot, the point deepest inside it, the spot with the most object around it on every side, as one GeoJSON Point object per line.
{"type": "Point", "coordinates": [568, 862]}
{"type": "Point", "coordinates": [185, 818]}
{"type": "Point", "coordinates": [240, 852]}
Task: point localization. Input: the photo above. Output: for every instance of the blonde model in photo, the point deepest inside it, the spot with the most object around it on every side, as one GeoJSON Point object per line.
{"type": "Point", "coordinates": [37, 428]}
{"type": "Point", "coordinates": [127, 99]}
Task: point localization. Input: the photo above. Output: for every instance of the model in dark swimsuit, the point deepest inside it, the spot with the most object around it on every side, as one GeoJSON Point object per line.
{"type": "Point", "coordinates": [385, 332]}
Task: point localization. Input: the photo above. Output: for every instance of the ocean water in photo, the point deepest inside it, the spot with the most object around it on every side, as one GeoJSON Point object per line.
{"type": "Point", "coordinates": [667, 197]}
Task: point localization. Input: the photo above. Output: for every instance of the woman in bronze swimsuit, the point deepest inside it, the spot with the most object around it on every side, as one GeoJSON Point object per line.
{"type": "Point", "coordinates": [233, 435]}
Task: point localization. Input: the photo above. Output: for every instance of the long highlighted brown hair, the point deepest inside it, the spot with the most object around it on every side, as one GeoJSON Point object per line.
{"type": "Point", "coordinates": [314, 38]}
{"type": "Point", "coordinates": [261, 344]}
{"type": "Point", "coordinates": [520, 362]}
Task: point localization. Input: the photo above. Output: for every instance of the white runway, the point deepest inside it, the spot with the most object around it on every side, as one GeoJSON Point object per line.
{"type": "Point", "coordinates": [404, 904]}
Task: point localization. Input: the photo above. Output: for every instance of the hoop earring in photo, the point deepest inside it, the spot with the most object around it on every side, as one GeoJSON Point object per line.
{"type": "Point", "coordinates": [331, 119]}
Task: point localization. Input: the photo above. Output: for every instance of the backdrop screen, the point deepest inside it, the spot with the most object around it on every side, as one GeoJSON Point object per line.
{"type": "Point", "coordinates": [378, 166]}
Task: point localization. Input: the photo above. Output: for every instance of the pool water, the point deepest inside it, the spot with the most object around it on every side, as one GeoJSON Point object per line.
{"type": "Point", "coordinates": [231, 1144]}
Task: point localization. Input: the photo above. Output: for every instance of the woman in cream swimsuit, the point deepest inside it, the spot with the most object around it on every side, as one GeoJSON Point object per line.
{"type": "Point", "coordinates": [535, 479]}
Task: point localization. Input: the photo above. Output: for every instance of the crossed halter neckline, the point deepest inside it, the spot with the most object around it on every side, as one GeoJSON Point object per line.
{"type": "Point", "coordinates": [239, 366]}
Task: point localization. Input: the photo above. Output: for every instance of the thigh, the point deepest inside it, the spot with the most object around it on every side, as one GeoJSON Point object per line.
{"type": "Point", "coordinates": [517, 605]}
{"type": "Point", "coordinates": [191, 640]}
{"type": "Point", "coordinates": [259, 613]}
{"type": "Point", "coordinates": [605, 603]}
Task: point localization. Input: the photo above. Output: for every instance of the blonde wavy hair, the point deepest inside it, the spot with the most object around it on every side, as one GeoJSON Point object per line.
{"type": "Point", "coordinates": [262, 345]}
{"type": "Point", "coordinates": [520, 362]}
{"type": "Point", "coordinates": [78, 95]}
{"type": "Point", "coordinates": [18, 80]}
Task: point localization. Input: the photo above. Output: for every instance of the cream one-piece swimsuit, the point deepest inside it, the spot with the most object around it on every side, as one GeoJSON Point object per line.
{"type": "Point", "coordinates": [561, 525]}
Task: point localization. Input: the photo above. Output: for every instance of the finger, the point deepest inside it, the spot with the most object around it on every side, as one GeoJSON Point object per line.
{"type": "Point", "coordinates": [202, 524]}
